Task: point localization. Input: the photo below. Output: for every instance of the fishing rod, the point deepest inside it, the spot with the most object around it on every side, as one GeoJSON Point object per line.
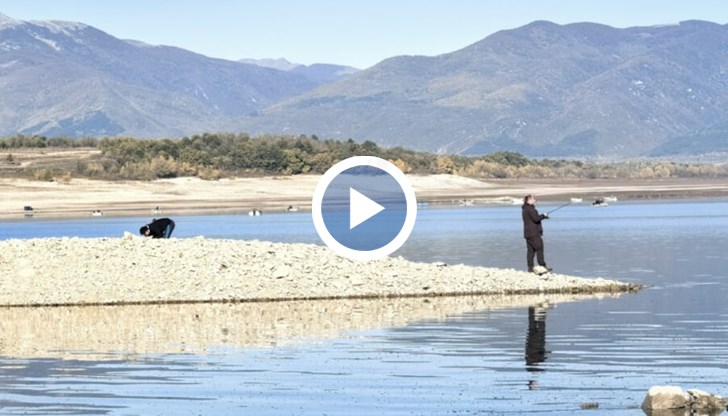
{"type": "Point", "coordinates": [558, 208]}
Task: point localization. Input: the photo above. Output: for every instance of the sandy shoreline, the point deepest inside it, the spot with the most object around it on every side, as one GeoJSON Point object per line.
{"type": "Point", "coordinates": [135, 270]}
{"type": "Point", "coordinates": [79, 197]}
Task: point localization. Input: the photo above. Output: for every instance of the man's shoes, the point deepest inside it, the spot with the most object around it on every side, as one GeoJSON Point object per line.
{"type": "Point", "coordinates": [539, 270]}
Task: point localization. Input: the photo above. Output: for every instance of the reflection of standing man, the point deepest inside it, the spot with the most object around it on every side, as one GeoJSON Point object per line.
{"type": "Point", "coordinates": [536, 340]}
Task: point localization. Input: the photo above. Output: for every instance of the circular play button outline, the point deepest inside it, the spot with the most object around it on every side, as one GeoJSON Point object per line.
{"type": "Point", "coordinates": [391, 170]}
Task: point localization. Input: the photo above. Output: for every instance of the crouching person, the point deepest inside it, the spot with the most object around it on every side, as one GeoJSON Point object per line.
{"type": "Point", "coordinates": [161, 228]}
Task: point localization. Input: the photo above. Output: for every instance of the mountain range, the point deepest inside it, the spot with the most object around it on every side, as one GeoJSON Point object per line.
{"type": "Point", "coordinates": [545, 90]}
{"type": "Point", "coordinates": [66, 78]}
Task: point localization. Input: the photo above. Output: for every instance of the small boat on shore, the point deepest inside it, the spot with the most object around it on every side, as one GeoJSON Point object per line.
{"type": "Point", "coordinates": [97, 213]}
{"type": "Point", "coordinates": [255, 212]}
{"type": "Point", "coordinates": [600, 202]}
{"type": "Point", "coordinates": [576, 200]}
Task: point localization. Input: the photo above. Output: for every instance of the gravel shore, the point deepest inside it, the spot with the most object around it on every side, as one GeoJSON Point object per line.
{"type": "Point", "coordinates": [135, 270]}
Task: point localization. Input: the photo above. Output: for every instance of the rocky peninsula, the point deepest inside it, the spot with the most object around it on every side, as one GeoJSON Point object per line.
{"type": "Point", "coordinates": [134, 270]}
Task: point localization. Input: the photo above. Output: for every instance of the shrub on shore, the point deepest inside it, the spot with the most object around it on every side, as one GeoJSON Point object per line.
{"type": "Point", "coordinates": [213, 156]}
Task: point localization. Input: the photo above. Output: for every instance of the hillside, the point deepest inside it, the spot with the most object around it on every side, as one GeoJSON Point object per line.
{"type": "Point", "coordinates": [64, 78]}
{"type": "Point", "coordinates": [542, 90]}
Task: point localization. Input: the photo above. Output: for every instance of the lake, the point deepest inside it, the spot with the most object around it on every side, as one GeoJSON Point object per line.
{"type": "Point", "coordinates": [398, 357]}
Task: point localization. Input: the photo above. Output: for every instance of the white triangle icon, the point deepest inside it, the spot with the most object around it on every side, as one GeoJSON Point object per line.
{"type": "Point", "coordinates": [361, 208]}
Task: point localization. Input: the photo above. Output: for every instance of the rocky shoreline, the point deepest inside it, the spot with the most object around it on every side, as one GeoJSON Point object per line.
{"type": "Point", "coordinates": [135, 270]}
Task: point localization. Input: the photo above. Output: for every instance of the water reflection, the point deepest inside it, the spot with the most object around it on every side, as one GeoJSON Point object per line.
{"type": "Point", "coordinates": [214, 358]}
{"type": "Point", "coordinates": [536, 337]}
{"type": "Point", "coordinates": [119, 332]}
{"type": "Point", "coordinates": [536, 341]}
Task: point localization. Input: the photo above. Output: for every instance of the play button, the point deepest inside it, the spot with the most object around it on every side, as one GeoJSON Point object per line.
{"type": "Point", "coordinates": [364, 208]}
{"type": "Point", "coordinates": [361, 208]}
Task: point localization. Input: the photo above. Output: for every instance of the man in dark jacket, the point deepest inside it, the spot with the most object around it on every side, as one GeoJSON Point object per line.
{"type": "Point", "coordinates": [532, 232]}
{"type": "Point", "coordinates": [161, 228]}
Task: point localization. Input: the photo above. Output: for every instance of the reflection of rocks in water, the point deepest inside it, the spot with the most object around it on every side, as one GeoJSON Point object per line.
{"type": "Point", "coordinates": [107, 332]}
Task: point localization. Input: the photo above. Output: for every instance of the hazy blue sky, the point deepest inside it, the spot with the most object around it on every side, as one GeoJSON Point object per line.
{"type": "Point", "coordinates": [359, 33]}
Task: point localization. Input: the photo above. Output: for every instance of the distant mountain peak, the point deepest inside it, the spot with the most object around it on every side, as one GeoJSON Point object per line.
{"type": "Point", "coordinates": [280, 64]}
{"type": "Point", "coordinates": [8, 21]}
{"type": "Point", "coordinates": [320, 73]}
{"type": "Point", "coordinates": [54, 26]}
{"type": "Point", "coordinates": [60, 26]}
{"type": "Point", "coordinates": [68, 78]}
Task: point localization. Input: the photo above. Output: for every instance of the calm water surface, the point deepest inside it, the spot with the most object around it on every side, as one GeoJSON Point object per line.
{"type": "Point", "coordinates": [548, 358]}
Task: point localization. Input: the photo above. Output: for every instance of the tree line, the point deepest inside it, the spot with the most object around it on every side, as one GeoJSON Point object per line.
{"type": "Point", "coordinates": [215, 155]}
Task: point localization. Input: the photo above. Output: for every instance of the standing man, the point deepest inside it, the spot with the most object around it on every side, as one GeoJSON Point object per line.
{"type": "Point", "coordinates": [532, 232]}
{"type": "Point", "coordinates": [161, 228]}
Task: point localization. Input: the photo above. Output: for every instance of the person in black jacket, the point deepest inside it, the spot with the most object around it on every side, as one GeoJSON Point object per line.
{"type": "Point", "coordinates": [532, 232]}
{"type": "Point", "coordinates": [161, 228]}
